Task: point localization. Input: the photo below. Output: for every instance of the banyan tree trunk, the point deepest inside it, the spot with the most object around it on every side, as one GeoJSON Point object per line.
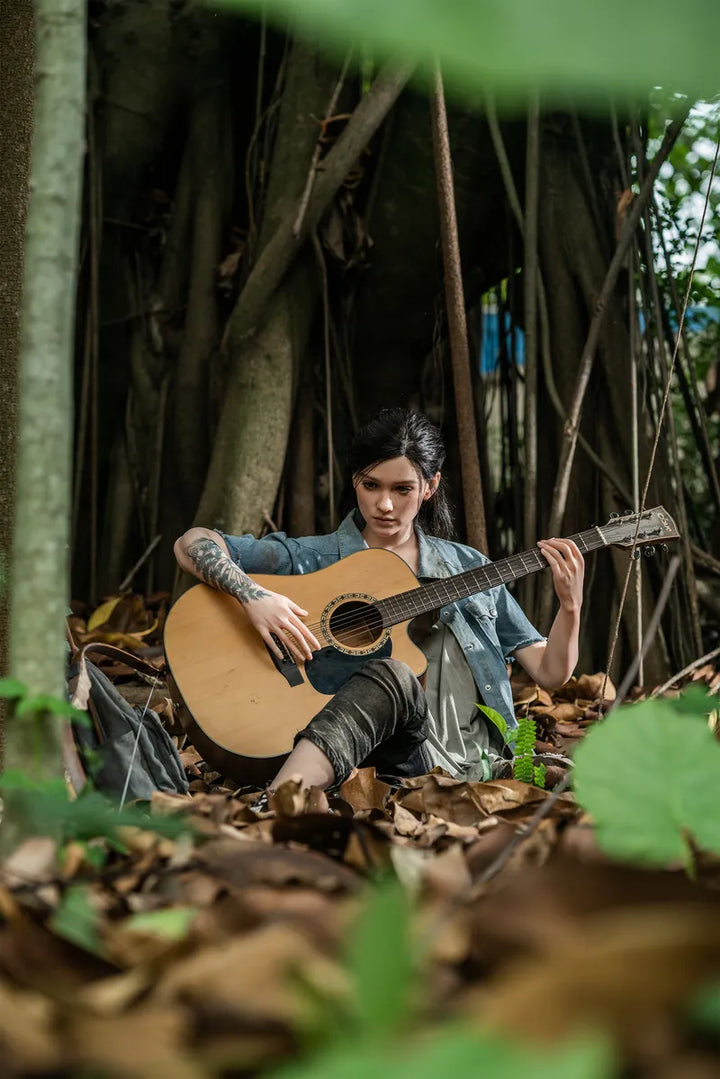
{"type": "Point", "coordinates": [252, 434]}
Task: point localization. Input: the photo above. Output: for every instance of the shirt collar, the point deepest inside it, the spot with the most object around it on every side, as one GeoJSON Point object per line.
{"type": "Point", "coordinates": [431, 563]}
{"type": "Point", "coordinates": [349, 536]}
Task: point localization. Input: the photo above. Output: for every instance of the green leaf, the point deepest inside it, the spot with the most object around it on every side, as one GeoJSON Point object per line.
{"type": "Point", "coordinates": [704, 1009]}
{"type": "Point", "coordinates": [44, 702]}
{"type": "Point", "coordinates": [16, 780]}
{"type": "Point", "coordinates": [12, 688]}
{"type": "Point", "coordinates": [514, 46]}
{"type": "Point", "coordinates": [48, 810]}
{"type": "Point", "coordinates": [172, 924]}
{"type": "Point", "coordinates": [459, 1051]}
{"type": "Point", "coordinates": [76, 920]}
{"type": "Point", "coordinates": [381, 962]}
{"type": "Point", "coordinates": [649, 774]}
{"type": "Point", "coordinates": [495, 717]}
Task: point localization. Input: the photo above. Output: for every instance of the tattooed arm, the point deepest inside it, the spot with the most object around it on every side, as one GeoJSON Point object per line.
{"type": "Point", "coordinates": [204, 553]}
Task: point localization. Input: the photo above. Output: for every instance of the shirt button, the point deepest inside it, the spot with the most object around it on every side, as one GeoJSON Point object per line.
{"type": "Point", "coordinates": [488, 685]}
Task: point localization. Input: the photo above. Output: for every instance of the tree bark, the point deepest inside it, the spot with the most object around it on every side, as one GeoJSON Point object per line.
{"type": "Point", "coordinates": [475, 528]}
{"type": "Point", "coordinates": [40, 581]}
{"type": "Point", "coordinates": [16, 120]}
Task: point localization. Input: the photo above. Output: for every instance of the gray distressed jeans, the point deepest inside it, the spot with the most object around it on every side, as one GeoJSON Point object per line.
{"type": "Point", "coordinates": [377, 719]}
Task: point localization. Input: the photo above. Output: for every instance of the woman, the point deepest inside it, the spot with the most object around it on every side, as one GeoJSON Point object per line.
{"type": "Point", "coordinates": [382, 716]}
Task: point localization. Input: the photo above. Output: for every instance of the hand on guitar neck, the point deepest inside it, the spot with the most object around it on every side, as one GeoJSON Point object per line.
{"type": "Point", "coordinates": [204, 554]}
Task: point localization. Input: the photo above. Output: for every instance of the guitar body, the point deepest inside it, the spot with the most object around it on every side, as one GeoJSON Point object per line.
{"type": "Point", "coordinates": [242, 709]}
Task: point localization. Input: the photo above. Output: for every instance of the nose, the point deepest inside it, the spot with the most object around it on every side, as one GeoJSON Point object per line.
{"type": "Point", "coordinates": [385, 503]}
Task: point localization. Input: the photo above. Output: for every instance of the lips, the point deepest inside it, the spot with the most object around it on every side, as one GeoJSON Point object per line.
{"type": "Point", "coordinates": [385, 520]}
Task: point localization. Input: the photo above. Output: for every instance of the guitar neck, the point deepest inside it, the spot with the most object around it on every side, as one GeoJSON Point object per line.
{"type": "Point", "coordinates": [407, 605]}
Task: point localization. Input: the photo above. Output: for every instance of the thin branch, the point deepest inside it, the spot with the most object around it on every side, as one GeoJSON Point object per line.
{"type": "Point", "coordinates": [127, 580]}
{"type": "Point", "coordinates": [664, 404]}
{"type": "Point", "coordinates": [562, 483]}
{"type": "Point", "coordinates": [329, 112]}
{"type": "Point", "coordinates": [545, 351]}
{"type": "Point", "coordinates": [685, 672]}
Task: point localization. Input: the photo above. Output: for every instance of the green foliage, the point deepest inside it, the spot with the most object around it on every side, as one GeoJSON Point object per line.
{"type": "Point", "coordinates": [381, 964]}
{"type": "Point", "coordinates": [540, 774]}
{"type": "Point", "coordinates": [459, 1051]}
{"type": "Point", "coordinates": [704, 1009]}
{"type": "Point", "coordinates": [47, 809]}
{"type": "Point", "coordinates": [173, 923]}
{"type": "Point", "coordinates": [372, 1040]}
{"type": "Point", "coordinates": [76, 920]}
{"type": "Point", "coordinates": [649, 775]}
{"type": "Point", "coordinates": [38, 704]}
{"type": "Point", "coordinates": [518, 45]}
{"type": "Point", "coordinates": [524, 745]}
{"type": "Point", "coordinates": [496, 719]}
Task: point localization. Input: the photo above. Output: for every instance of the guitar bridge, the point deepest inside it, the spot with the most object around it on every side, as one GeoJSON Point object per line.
{"type": "Point", "coordinates": [287, 666]}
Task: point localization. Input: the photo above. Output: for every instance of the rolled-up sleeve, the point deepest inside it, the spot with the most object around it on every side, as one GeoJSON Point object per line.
{"type": "Point", "coordinates": [513, 627]}
{"type": "Point", "coordinates": [271, 554]}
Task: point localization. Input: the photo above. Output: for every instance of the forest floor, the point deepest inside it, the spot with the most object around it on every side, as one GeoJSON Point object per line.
{"type": "Point", "coordinates": [227, 948]}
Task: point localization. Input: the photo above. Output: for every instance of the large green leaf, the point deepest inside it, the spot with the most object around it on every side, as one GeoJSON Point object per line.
{"type": "Point", "coordinates": [649, 775]}
{"type": "Point", "coordinates": [515, 45]}
{"type": "Point", "coordinates": [459, 1052]}
{"type": "Point", "coordinates": [381, 963]}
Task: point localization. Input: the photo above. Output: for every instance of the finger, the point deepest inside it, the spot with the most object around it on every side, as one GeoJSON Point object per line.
{"type": "Point", "coordinates": [303, 634]}
{"type": "Point", "coordinates": [309, 636]}
{"type": "Point", "coordinates": [549, 552]}
{"type": "Point", "coordinates": [296, 642]}
{"type": "Point", "coordinates": [568, 550]}
{"type": "Point", "coordinates": [269, 641]}
{"type": "Point", "coordinates": [296, 609]}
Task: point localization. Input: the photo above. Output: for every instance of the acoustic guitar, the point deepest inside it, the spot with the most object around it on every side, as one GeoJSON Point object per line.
{"type": "Point", "coordinates": [243, 705]}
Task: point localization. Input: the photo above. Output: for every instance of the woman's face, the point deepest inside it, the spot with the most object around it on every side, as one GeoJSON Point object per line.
{"type": "Point", "coordinates": [389, 497]}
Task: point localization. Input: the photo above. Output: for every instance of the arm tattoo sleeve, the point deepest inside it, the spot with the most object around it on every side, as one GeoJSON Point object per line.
{"type": "Point", "coordinates": [216, 569]}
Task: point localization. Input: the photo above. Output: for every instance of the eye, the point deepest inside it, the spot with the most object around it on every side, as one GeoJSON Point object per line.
{"type": "Point", "coordinates": [369, 485]}
{"type": "Point", "coordinates": [404, 490]}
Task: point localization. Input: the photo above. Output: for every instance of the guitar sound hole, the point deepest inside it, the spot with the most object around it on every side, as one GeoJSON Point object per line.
{"type": "Point", "coordinates": [356, 625]}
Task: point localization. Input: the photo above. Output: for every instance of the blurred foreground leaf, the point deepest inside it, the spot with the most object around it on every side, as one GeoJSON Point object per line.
{"type": "Point", "coordinates": [459, 1051]}
{"type": "Point", "coordinates": [381, 962]}
{"type": "Point", "coordinates": [76, 920]}
{"type": "Point", "coordinates": [649, 775]}
{"type": "Point", "coordinates": [47, 809]}
{"type": "Point", "coordinates": [513, 46]}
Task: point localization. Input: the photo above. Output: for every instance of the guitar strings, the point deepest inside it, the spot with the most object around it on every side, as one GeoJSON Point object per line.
{"type": "Point", "coordinates": [356, 621]}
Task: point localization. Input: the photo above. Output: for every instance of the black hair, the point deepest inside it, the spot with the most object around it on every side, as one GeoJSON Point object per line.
{"type": "Point", "coordinates": [401, 432]}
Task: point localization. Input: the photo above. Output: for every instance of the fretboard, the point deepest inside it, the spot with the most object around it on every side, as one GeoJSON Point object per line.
{"type": "Point", "coordinates": [406, 605]}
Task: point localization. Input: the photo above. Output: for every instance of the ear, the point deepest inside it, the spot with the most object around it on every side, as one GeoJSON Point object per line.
{"type": "Point", "coordinates": [432, 487]}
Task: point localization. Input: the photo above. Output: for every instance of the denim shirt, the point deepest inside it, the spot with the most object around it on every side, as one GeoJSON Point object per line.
{"type": "Point", "coordinates": [489, 626]}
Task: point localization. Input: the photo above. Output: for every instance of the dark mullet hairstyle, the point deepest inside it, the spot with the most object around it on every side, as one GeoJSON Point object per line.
{"type": "Point", "coordinates": [401, 432]}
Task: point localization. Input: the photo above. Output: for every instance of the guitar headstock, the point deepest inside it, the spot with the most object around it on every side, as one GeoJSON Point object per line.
{"type": "Point", "coordinates": [656, 526]}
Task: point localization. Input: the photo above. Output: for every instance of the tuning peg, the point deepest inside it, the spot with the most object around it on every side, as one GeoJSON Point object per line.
{"type": "Point", "coordinates": [614, 516]}
{"type": "Point", "coordinates": [649, 551]}
{"type": "Point", "coordinates": [664, 548]}
{"type": "Point", "coordinates": [636, 553]}
{"type": "Point", "coordinates": [627, 513]}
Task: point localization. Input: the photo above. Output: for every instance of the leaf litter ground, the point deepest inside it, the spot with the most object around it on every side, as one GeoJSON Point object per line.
{"type": "Point", "coordinates": [228, 949]}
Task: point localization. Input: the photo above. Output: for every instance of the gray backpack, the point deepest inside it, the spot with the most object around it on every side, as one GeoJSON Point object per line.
{"type": "Point", "coordinates": [126, 752]}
